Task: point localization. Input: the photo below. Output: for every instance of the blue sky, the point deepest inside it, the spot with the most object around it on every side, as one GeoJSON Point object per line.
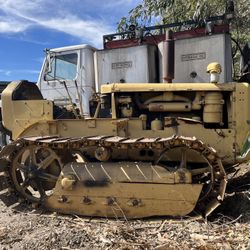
{"type": "Point", "coordinates": [27, 27]}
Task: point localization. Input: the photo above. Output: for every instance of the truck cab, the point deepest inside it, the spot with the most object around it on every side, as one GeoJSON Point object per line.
{"type": "Point", "coordinates": [67, 76]}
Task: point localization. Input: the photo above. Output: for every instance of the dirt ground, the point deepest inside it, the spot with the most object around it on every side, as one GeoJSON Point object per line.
{"type": "Point", "coordinates": [227, 228]}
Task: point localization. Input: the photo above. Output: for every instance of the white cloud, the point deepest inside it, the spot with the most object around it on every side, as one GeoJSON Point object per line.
{"type": "Point", "coordinates": [13, 26]}
{"type": "Point", "coordinates": [19, 16]}
{"type": "Point", "coordinates": [7, 72]}
{"type": "Point", "coordinates": [85, 30]}
{"type": "Point", "coordinates": [119, 3]}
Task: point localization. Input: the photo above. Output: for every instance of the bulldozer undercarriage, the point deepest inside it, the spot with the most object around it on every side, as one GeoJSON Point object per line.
{"type": "Point", "coordinates": [58, 174]}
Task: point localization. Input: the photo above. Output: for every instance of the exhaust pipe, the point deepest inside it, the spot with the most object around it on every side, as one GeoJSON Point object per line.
{"type": "Point", "coordinates": [168, 57]}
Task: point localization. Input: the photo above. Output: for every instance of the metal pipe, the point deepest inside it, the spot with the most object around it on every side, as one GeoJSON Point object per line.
{"type": "Point", "coordinates": [166, 97]}
{"type": "Point", "coordinates": [70, 99]}
{"type": "Point", "coordinates": [168, 57]}
{"type": "Point", "coordinates": [170, 107]}
{"type": "Point", "coordinates": [79, 98]}
{"type": "Point", "coordinates": [97, 111]}
{"type": "Point", "coordinates": [113, 36]}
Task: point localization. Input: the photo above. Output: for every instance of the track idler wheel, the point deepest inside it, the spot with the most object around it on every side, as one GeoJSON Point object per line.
{"type": "Point", "coordinates": [204, 165]}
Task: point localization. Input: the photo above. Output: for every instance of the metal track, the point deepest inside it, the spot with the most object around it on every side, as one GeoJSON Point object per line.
{"type": "Point", "coordinates": [204, 206]}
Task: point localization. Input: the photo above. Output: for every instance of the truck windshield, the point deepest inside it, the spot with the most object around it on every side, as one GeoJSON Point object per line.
{"type": "Point", "coordinates": [62, 67]}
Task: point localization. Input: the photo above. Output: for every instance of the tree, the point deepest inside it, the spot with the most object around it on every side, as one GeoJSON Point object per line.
{"type": "Point", "coordinates": [153, 12]}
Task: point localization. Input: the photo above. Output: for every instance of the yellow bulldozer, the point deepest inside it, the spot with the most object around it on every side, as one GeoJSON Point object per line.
{"type": "Point", "coordinates": [146, 126]}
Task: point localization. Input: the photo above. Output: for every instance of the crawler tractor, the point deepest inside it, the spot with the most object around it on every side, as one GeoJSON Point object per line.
{"type": "Point", "coordinates": [145, 127]}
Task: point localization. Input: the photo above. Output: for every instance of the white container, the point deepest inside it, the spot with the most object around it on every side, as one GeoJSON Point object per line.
{"type": "Point", "coordinates": [126, 65]}
{"type": "Point", "coordinates": [214, 77]}
{"type": "Point", "coordinates": [192, 56]}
